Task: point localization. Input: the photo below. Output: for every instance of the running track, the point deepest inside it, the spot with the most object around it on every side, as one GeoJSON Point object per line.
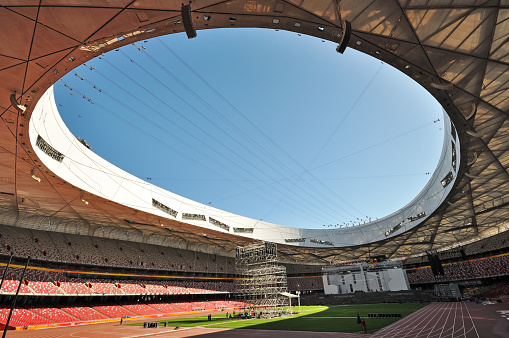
{"type": "Point", "coordinates": [451, 320]}
{"type": "Point", "coordinates": [437, 320]}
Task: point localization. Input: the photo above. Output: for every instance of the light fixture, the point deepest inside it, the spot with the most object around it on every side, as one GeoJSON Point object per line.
{"type": "Point", "coordinates": [276, 21]}
{"type": "Point", "coordinates": [15, 104]}
{"type": "Point", "coordinates": [206, 17]}
{"type": "Point", "coordinates": [297, 24]}
{"type": "Point", "coordinates": [472, 111]}
{"type": "Point", "coordinates": [474, 159]}
{"type": "Point", "coordinates": [34, 176]}
{"type": "Point", "coordinates": [474, 133]}
{"type": "Point", "coordinates": [83, 200]}
{"type": "Point", "coordinates": [442, 86]}
{"type": "Point", "coordinates": [470, 176]}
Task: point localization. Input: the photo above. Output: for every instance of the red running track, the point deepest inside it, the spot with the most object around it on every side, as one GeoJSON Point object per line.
{"type": "Point", "coordinates": [451, 320]}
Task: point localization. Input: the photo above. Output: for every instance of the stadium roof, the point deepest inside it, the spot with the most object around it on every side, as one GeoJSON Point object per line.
{"type": "Point", "coordinates": [457, 50]}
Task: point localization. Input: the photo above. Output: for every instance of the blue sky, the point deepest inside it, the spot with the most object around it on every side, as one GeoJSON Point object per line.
{"type": "Point", "coordinates": [266, 124]}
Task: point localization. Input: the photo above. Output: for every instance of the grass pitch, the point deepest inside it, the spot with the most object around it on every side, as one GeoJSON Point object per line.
{"type": "Point", "coordinates": [334, 318]}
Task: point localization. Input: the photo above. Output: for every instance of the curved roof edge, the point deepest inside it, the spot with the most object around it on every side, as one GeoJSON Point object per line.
{"type": "Point", "coordinates": [94, 175]}
{"type": "Point", "coordinates": [461, 60]}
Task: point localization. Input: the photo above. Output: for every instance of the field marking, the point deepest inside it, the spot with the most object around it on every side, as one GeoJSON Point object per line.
{"type": "Point", "coordinates": [306, 317]}
{"type": "Point", "coordinates": [431, 329]}
{"type": "Point", "coordinates": [434, 321]}
{"type": "Point", "coordinates": [429, 316]}
{"type": "Point", "coordinates": [161, 332]}
{"type": "Point", "coordinates": [407, 322]}
{"type": "Point", "coordinates": [400, 326]}
{"type": "Point", "coordinates": [472, 320]}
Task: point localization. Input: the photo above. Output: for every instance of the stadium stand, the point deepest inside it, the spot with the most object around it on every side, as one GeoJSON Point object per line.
{"type": "Point", "coordinates": [93, 251]}
{"type": "Point", "coordinates": [169, 272]}
{"type": "Point", "coordinates": [84, 313]}
{"type": "Point", "coordinates": [142, 309]}
{"type": "Point", "coordinates": [55, 314]}
{"type": "Point", "coordinates": [305, 283]}
{"type": "Point", "coordinates": [499, 289]}
{"type": "Point", "coordinates": [491, 266]}
{"type": "Point", "coordinates": [165, 307]}
{"type": "Point", "coordinates": [27, 316]}
{"type": "Point", "coordinates": [114, 311]}
{"type": "Point", "coordinates": [14, 320]}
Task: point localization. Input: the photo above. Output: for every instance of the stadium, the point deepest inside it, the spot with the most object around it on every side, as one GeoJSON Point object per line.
{"type": "Point", "coordinates": [82, 241]}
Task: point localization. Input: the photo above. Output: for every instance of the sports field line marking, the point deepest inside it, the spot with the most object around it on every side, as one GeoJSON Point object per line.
{"type": "Point", "coordinates": [326, 317]}
{"type": "Point", "coordinates": [408, 322]}
{"type": "Point", "coordinates": [422, 322]}
{"type": "Point", "coordinates": [472, 320]}
{"type": "Point", "coordinates": [160, 332]}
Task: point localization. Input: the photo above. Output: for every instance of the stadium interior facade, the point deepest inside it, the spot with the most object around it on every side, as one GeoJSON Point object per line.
{"type": "Point", "coordinates": [105, 244]}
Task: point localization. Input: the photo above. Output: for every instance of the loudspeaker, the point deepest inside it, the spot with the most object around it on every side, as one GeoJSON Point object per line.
{"type": "Point", "coordinates": [345, 37]}
{"type": "Point", "coordinates": [433, 265]}
{"type": "Point", "coordinates": [438, 263]}
{"type": "Point", "coordinates": [188, 22]}
{"type": "Point", "coordinates": [463, 254]}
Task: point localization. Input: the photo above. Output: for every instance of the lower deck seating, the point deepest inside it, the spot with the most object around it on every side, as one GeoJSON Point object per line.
{"type": "Point", "coordinates": [114, 311]}
{"type": "Point", "coordinates": [55, 314]}
{"type": "Point", "coordinates": [84, 313]}
{"type": "Point", "coordinates": [165, 307]}
{"type": "Point", "coordinates": [13, 322]}
{"type": "Point", "coordinates": [28, 316]}
{"type": "Point", "coordinates": [142, 309]}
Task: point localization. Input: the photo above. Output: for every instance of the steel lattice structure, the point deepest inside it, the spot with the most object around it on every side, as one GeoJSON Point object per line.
{"type": "Point", "coordinates": [262, 281]}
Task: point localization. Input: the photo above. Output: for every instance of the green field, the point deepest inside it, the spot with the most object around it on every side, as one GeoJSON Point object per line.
{"type": "Point", "coordinates": [334, 318]}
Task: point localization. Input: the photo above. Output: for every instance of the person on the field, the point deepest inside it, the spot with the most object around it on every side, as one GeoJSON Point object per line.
{"type": "Point", "coordinates": [363, 325]}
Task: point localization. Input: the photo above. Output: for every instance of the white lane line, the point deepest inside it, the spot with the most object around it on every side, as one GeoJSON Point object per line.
{"type": "Point", "coordinates": [161, 332]}
{"type": "Point", "coordinates": [326, 317]}
{"type": "Point", "coordinates": [399, 327]}
{"type": "Point", "coordinates": [472, 320]}
{"type": "Point", "coordinates": [423, 321]}
{"type": "Point", "coordinates": [454, 322]}
{"type": "Point", "coordinates": [463, 320]}
{"type": "Point", "coordinates": [462, 327]}
{"type": "Point", "coordinates": [444, 325]}
{"type": "Point", "coordinates": [427, 328]}
{"type": "Point", "coordinates": [407, 321]}
{"type": "Point", "coordinates": [442, 310]}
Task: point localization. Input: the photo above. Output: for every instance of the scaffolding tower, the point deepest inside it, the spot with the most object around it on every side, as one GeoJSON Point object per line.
{"type": "Point", "coordinates": [261, 282]}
